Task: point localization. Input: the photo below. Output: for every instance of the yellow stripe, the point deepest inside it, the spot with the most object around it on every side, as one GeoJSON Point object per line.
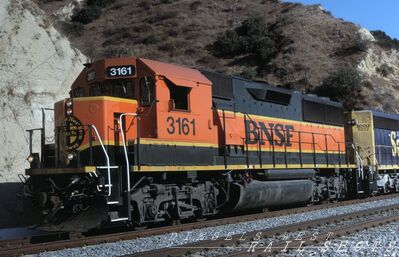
{"type": "Point", "coordinates": [177, 143]}
{"type": "Point", "coordinates": [295, 150]}
{"type": "Point", "coordinates": [44, 171]}
{"type": "Point", "coordinates": [239, 114]}
{"type": "Point", "coordinates": [105, 98]}
{"type": "Point", "coordinates": [237, 167]}
{"type": "Point", "coordinates": [388, 167]}
{"type": "Point", "coordinates": [151, 142]}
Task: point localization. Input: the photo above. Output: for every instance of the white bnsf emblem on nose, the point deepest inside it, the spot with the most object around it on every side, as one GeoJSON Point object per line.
{"type": "Point", "coordinates": [74, 133]}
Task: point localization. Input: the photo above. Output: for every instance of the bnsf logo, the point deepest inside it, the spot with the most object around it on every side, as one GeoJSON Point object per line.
{"type": "Point", "coordinates": [363, 127]}
{"type": "Point", "coordinates": [280, 133]}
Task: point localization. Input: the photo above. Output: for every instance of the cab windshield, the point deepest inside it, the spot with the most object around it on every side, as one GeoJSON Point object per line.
{"type": "Point", "coordinates": [115, 88]}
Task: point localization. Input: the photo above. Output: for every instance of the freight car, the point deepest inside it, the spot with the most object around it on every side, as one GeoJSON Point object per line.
{"type": "Point", "coordinates": [141, 142]}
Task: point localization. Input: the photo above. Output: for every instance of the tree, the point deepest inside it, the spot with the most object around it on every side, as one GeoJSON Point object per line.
{"type": "Point", "coordinates": [343, 85]}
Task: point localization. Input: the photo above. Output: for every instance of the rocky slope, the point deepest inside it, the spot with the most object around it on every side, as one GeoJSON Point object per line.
{"type": "Point", "coordinates": [383, 88]}
{"type": "Point", "coordinates": [314, 42]}
{"type": "Point", "coordinates": [37, 66]}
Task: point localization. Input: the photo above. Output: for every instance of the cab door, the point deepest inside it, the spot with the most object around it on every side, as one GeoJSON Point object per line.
{"type": "Point", "coordinates": [185, 121]}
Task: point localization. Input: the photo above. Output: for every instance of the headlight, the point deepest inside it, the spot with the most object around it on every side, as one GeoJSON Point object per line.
{"type": "Point", "coordinates": [69, 111]}
{"type": "Point", "coordinates": [68, 103]}
{"type": "Point", "coordinates": [30, 158]}
{"type": "Point", "coordinates": [71, 156]}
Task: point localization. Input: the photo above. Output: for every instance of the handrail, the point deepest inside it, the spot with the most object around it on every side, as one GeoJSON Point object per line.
{"type": "Point", "coordinates": [124, 146]}
{"type": "Point", "coordinates": [302, 132]}
{"type": "Point", "coordinates": [358, 157]}
{"type": "Point", "coordinates": [106, 156]}
{"type": "Point", "coordinates": [315, 145]}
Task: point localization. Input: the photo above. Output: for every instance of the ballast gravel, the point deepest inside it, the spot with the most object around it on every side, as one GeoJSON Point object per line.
{"type": "Point", "coordinates": [228, 232]}
{"type": "Point", "coordinates": [258, 244]}
{"type": "Point", "coordinates": [375, 242]}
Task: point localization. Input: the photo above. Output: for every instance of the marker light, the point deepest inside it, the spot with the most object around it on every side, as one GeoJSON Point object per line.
{"type": "Point", "coordinates": [69, 111]}
{"type": "Point", "coordinates": [30, 158]}
{"type": "Point", "coordinates": [68, 103]}
{"type": "Point", "coordinates": [71, 156]}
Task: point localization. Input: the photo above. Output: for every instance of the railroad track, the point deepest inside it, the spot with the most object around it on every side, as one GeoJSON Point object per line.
{"type": "Point", "coordinates": [64, 240]}
{"type": "Point", "coordinates": [251, 243]}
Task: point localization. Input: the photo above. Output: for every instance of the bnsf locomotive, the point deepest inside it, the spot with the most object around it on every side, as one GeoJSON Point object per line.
{"type": "Point", "coordinates": [143, 142]}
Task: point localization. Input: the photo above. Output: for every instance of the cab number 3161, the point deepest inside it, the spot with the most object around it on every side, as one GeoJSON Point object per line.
{"type": "Point", "coordinates": [182, 126]}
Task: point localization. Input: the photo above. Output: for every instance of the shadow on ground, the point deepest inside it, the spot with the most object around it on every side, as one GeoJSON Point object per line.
{"type": "Point", "coordinates": [11, 211]}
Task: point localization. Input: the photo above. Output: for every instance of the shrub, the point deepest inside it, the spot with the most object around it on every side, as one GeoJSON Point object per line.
{"type": "Point", "coordinates": [91, 12]}
{"type": "Point", "coordinates": [227, 44]}
{"type": "Point", "coordinates": [195, 5]}
{"type": "Point", "coordinates": [253, 37]}
{"type": "Point", "coordinates": [249, 73]}
{"type": "Point", "coordinates": [100, 3]}
{"type": "Point", "coordinates": [167, 1]}
{"type": "Point", "coordinates": [384, 40]}
{"type": "Point", "coordinates": [360, 45]}
{"type": "Point", "coordinates": [74, 29]}
{"type": "Point", "coordinates": [343, 85]}
{"type": "Point", "coordinates": [385, 69]}
{"type": "Point", "coordinates": [87, 15]}
{"type": "Point", "coordinates": [168, 46]}
{"type": "Point", "coordinates": [145, 5]}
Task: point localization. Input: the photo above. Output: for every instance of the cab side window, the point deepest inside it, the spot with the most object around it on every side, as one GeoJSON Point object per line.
{"type": "Point", "coordinates": [179, 96]}
{"type": "Point", "coordinates": [146, 91]}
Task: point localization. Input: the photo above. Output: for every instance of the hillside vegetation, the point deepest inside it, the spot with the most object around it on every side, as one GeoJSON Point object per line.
{"type": "Point", "coordinates": [286, 44]}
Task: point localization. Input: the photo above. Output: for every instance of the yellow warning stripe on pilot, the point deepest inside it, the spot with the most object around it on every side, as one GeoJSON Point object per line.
{"type": "Point", "coordinates": [48, 171]}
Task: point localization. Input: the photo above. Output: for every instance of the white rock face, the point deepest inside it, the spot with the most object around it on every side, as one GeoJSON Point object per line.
{"type": "Point", "coordinates": [382, 87]}
{"type": "Point", "coordinates": [366, 35]}
{"type": "Point", "coordinates": [66, 12]}
{"type": "Point", "coordinates": [374, 59]}
{"type": "Point", "coordinates": [37, 67]}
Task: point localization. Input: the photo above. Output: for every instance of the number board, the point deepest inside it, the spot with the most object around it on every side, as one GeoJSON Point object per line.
{"type": "Point", "coordinates": [121, 71]}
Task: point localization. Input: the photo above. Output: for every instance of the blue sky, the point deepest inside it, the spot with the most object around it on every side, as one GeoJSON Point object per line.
{"type": "Point", "coordinates": [371, 14]}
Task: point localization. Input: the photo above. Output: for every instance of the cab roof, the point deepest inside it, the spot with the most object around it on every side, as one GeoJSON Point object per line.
{"type": "Point", "coordinates": [172, 71]}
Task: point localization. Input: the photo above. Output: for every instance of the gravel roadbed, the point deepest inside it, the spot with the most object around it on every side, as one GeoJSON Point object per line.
{"type": "Point", "coordinates": [258, 244]}
{"type": "Point", "coordinates": [234, 231]}
{"type": "Point", "coordinates": [374, 242]}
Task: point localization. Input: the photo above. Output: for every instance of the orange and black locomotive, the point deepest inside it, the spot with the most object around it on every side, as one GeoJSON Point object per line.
{"type": "Point", "coordinates": [142, 142]}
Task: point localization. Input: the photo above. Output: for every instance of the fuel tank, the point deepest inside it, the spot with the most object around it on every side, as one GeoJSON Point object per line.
{"type": "Point", "coordinates": [261, 194]}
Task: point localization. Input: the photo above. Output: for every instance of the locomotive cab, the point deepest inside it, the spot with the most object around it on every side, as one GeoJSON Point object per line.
{"type": "Point", "coordinates": [123, 116]}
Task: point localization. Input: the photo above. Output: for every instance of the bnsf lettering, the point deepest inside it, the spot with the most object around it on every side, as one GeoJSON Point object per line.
{"type": "Point", "coordinates": [395, 143]}
{"type": "Point", "coordinates": [280, 133]}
